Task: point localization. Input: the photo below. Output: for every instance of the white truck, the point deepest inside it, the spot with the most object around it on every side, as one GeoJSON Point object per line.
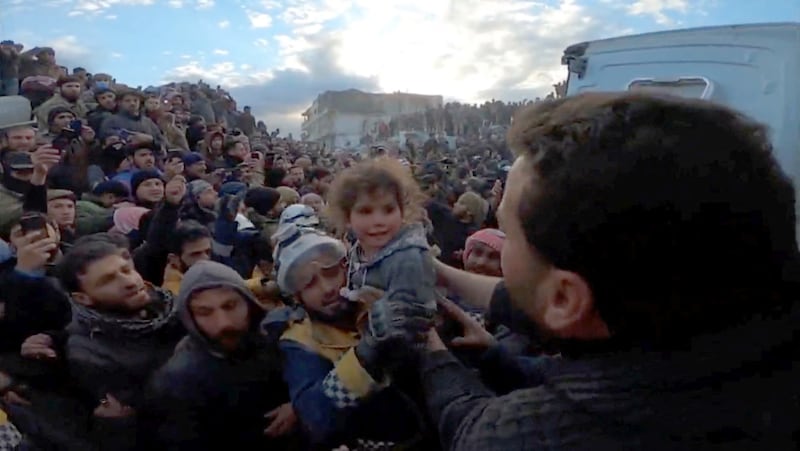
{"type": "Point", "coordinates": [753, 68]}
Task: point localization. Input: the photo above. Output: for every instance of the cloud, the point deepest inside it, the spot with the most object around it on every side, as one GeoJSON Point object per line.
{"type": "Point", "coordinates": [466, 50]}
{"type": "Point", "coordinates": [278, 96]}
{"type": "Point", "coordinates": [470, 49]}
{"type": "Point", "coordinates": [224, 24]}
{"type": "Point", "coordinates": [98, 7]}
{"type": "Point", "coordinates": [116, 55]}
{"type": "Point", "coordinates": [175, 3]}
{"type": "Point", "coordinates": [205, 4]}
{"type": "Point", "coordinates": [220, 52]}
{"type": "Point", "coordinates": [658, 9]}
{"type": "Point", "coordinates": [259, 19]}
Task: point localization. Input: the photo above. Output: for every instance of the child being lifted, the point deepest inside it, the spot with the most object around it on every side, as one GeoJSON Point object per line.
{"type": "Point", "coordinates": [380, 203]}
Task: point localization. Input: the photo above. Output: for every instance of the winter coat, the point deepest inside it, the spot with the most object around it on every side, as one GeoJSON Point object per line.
{"type": "Point", "coordinates": [208, 398]}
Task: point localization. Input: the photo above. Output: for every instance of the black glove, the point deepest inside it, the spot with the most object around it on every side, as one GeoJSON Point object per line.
{"type": "Point", "coordinates": [394, 331]}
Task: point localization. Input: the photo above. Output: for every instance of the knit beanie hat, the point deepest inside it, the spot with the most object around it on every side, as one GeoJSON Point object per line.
{"type": "Point", "coordinates": [192, 158]}
{"type": "Point", "coordinates": [288, 195]}
{"type": "Point", "coordinates": [475, 205]}
{"type": "Point", "coordinates": [197, 187]}
{"type": "Point", "coordinates": [51, 115]}
{"type": "Point", "coordinates": [299, 214]}
{"type": "Point", "coordinates": [232, 188]}
{"type": "Point", "coordinates": [111, 186]}
{"type": "Point", "coordinates": [300, 252]}
{"type": "Point", "coordinates": [261, 199]}
{"type": "Point", "coordinates": [141, 177]}
{"type": "Point", "coordinates": [491, 237]}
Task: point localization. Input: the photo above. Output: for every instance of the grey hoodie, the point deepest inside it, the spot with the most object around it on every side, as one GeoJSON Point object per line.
{"type": "Point", "coordinates": [201, 276]}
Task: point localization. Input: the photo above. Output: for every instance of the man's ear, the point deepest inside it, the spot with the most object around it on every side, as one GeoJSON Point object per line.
{"type": "Point", "coordinates": [82, 299]}
{"type": "Point", "coordinates": [174, 260]}
{"type": "Point", "coordinates": [570, 310]}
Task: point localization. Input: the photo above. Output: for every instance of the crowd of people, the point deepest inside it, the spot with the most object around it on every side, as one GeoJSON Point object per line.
{"type": "Point", "coordinates": [467, 121]}
{"type": "Point", "coordinates": [174, 276]}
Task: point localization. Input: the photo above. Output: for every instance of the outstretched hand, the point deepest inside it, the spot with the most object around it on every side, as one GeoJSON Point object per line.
{"type": "Point", "coordinates": [475, 335]}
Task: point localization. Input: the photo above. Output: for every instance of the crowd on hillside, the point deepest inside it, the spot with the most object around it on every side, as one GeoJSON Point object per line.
{"type": "Point", "coordinates": [174, 276]}
{"type": "Point", "coordinates": [467, 121]}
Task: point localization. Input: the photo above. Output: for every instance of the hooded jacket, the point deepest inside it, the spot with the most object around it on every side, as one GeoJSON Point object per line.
{"type": "Point", "coordinates": [207, 398]}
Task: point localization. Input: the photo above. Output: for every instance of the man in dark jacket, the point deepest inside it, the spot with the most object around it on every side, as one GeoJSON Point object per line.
{"type": "Point", "coordinates": [668, 278]}
{"type": "Point", "coordinates": [223, 378]}
{"type": "Point", "coordinates": [122, 330]}
{"type": "Point", "coordinates": [31, 302]}
{"type": "Point", "coordinates": [143, 131]}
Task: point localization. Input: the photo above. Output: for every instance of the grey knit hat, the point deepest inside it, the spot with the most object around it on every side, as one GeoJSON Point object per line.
{"type": "Point", "coordinates": [197, 187]}
{"type": "Point", "coordinates": [300, 252]}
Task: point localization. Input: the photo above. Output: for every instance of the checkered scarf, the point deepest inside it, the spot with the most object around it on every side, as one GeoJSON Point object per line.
{"type": "Point", "coordinates": [161, 312]}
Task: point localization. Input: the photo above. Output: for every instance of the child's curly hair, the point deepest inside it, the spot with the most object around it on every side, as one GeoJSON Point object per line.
{"type": "Point", "coordinates": [371, 177]}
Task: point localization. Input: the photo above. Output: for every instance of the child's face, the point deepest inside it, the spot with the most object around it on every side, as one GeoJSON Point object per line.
{"type": "Point", "coordinates": [375, 219]}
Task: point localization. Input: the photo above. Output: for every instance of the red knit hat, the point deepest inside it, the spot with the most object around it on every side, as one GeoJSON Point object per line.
{"type": "Point", "coordinates": [491, 237]}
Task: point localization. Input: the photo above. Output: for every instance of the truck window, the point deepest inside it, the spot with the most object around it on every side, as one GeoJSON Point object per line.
{"type": "Point", "coordinates": [692, 87]}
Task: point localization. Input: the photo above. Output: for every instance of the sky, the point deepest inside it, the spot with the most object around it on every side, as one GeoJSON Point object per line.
{"type": "Point", "coordinates": [277, 56]}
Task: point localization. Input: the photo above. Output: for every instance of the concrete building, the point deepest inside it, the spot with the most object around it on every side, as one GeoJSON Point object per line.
{"type": "Point", "coordinates": [350, 118]}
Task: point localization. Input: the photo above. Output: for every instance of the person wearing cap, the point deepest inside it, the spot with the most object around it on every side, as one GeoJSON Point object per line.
{"type": "Point", "coordinates": [201, 197]}
{"type": "Point", "coordinates": [9, 69]}
{"type": "Point", "coordinates": [141, 159]}
{"type": "Point", "coordinates": [16, 127]}
{"type": "Point", "coordinates": [260, 205]}
{"type": "Point", "coordinates": [482, 252]}
{"type": "Point", "coordinates": [58, 120]}
{"type": "Point", "coordinates": [68, 96]}
{"type": "Point", "coordinates": [222, 387]}
{"type": "Point", "coordinates": [339, 390]}
{"type": "Point", "coordinates": [143, 131]}
{"type": "Point", "coordinates": [97, 83]}
{"type": "Point", "coordinates": [194, 166]}
{"type": "Point", "coordinates": [23, 184]}
{"type": "Point", "coordinates": [61, 210]}
{"type": "Point", "coordinates": [95, 210]}
{"type": "Point", "coordinates": [147, 188]}
{"type": "Point", "coordinates": [106, 100]}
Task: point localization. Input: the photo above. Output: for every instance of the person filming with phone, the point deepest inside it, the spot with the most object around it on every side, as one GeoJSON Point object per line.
{"type": "Point", "coordinates": [22, 184]}
{"type": "Point", "coordinates": [143, 131]}
{"type": "Point", "coordinates": [72, 138]}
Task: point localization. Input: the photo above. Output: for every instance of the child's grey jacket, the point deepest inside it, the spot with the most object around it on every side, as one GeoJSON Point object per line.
{"type": "Point", "coordinates": [403, 268]}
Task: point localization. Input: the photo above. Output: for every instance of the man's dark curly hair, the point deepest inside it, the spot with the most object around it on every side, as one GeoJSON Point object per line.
{"type": "Point", "coordinates": [675, 211]}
